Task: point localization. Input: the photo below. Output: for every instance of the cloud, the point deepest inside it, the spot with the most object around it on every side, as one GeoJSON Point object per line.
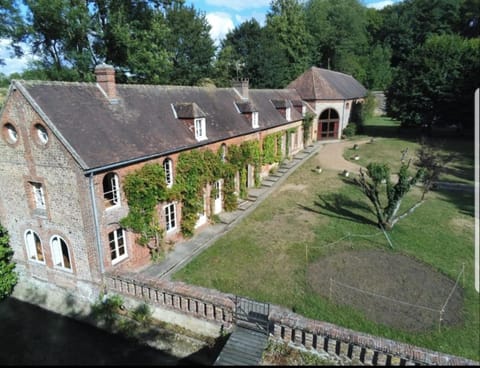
{"type": "Point", "coordinates": [380, 4]}
{"type": "Point", "coordinates": [221, 24]}
{"type": "Point", "coordinates": [239, 5]}
{"type": "Point", "coordinates": [260, 17]}
{"type": "Point", "coordinates": [12, 64]}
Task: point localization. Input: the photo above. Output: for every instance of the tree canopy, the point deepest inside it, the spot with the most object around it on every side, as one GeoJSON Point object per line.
{"type": "Point", "coordinates": [424, 53]}
{"type": "Point", "coordinates": [8, 275]}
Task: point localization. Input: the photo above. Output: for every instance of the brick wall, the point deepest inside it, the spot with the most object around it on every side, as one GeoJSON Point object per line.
{"type": "Point", "coordinates": [67, 212]}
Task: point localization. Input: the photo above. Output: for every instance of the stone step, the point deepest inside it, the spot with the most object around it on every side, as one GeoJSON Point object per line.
{"type": "Point", "coordinates": [242, 206]}
{"type": "Point", "coordinates": [267, 183]}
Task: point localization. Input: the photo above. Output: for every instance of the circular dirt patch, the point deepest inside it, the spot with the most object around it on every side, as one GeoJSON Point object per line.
{"type": "Point", "coordinates": [391, 289]}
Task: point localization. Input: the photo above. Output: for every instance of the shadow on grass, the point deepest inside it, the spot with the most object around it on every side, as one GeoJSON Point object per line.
{"type": "Point", "coordinates": [341, 207]}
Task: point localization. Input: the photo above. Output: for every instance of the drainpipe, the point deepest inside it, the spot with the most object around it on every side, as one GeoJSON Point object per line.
{"type": "Point", "coordinates": [343, 118]}
{"type": "Point", "coordinates": [95, 220]}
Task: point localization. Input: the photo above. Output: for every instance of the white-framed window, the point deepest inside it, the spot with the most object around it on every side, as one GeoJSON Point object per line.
{"type": "Point", "coordinates": [10, 133]}
{"type": "Point", "coordinates": [41, 133]}
{"type": "Point", "coordinates": [255, 119]}
{"type": "Point", "coordinates": [38, 196]}
{"type": "Point", "coordinates": [288, 114]}
{"type": "Point", "coordinates": [60, 253]}
{"type": "Point", "coordinates": [304, 110]}
{"type": "Point", "coordinates": [111, 190]}
{"type": "Point", "coordinates": [118, 246]}
{"type": "Point", "coordinates": [224, 152]}
{"type": "Point", "coordinates": [34, 246]}
{"type": "Point", "coordinates": [168, 167]}
{"type": "Point", "coordinates": [200, 130]}
{"type": "Point", "coordinates": [170, 213]}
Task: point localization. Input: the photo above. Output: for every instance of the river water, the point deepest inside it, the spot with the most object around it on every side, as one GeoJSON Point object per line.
{"type": "Point", "coordinates": [30, 335]}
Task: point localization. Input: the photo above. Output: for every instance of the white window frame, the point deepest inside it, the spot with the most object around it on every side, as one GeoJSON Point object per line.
{"type": "Point", "coordinates": [12, 134]}
{"type": "Point", "coordinates": [200, 129]}
{"type": "Point", "coordinates": [304, 110]}
{"type": "Point", "coordinates": [114, 191]}
{"type": "Point", "coordinates": [31, 245]}
{"type": "Point", "coordinates": [58, 255]}
{"type": "Point", "coordinates": [42, 133]}
{"type": "Point", "coordinates": [170, 213]}
{"type": "Point", "coordinates": [288, 114]}
{"type": "Point", "coordinates": [224, 152]}
{"type": "Point", "coordinates": [255, 119]}
{"type": "Point", "coordinates": [118, 240]}
{"type": "Point", "coordinates": [168, 167]}
{"type": "Point", "coordinates": [38, 196]}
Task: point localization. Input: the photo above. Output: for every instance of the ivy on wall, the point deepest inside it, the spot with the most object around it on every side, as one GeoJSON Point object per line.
{"type": "Point", "coordinates": [146, 187]}
{"type": "Point", "coordinates": [307, 124]}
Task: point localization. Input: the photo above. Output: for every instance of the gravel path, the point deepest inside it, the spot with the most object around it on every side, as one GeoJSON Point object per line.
{"type": "Point", "coordinates": [330, 156]}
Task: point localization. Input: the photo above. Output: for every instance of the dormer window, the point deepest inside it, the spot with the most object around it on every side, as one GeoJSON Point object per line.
{"type": "Point", "coordinates": [288, 114]}
{"type": "Point", "coordinates": [304, 110]}
{"type": "Point", "coordinates": [255, 119]}
{"type": "Point", "coordinates": [200, 131]}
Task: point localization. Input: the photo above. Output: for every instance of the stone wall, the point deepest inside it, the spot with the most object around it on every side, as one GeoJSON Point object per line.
{"type": "Point", "coordinates": [214, 306]}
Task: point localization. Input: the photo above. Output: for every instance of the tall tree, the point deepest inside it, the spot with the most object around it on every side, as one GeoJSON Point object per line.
{"type": "Point", "coordinates": [287, 44]}
{"type": "Point", "coordinates": [10, 22]}
{"type": "Point", "coordinates": [437, 83]}
{"type": "Point", "coordinates": [189, 44]}
{"type": "Point", "coordinates": [242, 52]}
{"type": "Point", "coordinates": [339, 30]}
{"type": "Point", "coordinates": [8, 275]}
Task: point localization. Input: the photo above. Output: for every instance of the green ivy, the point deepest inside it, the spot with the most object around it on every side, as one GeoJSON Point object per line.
{"type": "Point", "coordinates": [146, 188]}
{"type": "Point", "coordinates": [307, 124]}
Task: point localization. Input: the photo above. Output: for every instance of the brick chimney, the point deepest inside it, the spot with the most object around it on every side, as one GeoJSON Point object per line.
{"type": "Point", "coordinates": [241, 86]}
{"type": "Point", "coordinates": [106, 80]}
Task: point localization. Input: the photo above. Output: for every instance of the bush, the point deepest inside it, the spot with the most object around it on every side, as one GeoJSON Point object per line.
{"type": "Point", "coordinates": [350, 130]}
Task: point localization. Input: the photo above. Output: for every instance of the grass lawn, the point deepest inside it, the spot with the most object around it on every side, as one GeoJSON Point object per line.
{"type": "Point", "coordinates": [309, 217]}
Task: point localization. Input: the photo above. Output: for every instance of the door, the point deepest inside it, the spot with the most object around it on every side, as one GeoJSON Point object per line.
{"type": "Point", "coordinates": [218, 198]}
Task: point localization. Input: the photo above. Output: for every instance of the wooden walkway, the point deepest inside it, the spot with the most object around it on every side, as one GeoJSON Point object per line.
{"type": "Point", "coordinates": [244, 347]}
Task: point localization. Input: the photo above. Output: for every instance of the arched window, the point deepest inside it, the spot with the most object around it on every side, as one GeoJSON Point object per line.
{"type": "Point", "coordinates": [34, 246]}
{"type": "Point", "coordinates": [111, 190]}
{"type": "Point", "coordinates": [168, 167]}
{"type": "Point", "coordinates": [60, 253]}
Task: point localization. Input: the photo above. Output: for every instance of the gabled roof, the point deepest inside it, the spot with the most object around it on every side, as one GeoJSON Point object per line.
{"type": "Point", "coordinates": [142, 123]}
{"type": "Point", "coordinates": [323, 84]}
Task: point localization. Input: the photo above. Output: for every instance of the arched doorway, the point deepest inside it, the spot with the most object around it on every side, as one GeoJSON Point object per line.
{"type": "Point", "coordinates": [328, 123]}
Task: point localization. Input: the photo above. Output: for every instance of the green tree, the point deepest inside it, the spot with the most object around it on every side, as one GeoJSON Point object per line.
{"type": "Point", "coordinates": [286, 42]}
{"type": "Point", "coordinates": [242, 53]}
{"type": "Point", "coordinates": [189, 44]}
{"type": "Point", "coordinates": [8, 275]}
{"type": "Point", "coordinates": [10, 22]}
{"type": "Point", "coordinates": [385, 196]}
{"type": "Point", "coordinates": [437, 83]}
{"type": "Point", "coordinates": [339, 30]}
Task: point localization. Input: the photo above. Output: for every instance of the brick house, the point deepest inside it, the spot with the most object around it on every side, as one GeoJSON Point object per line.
{"type": "Point", "coordinates": [332, 95]}
{"type": "Point", "coordinates": [67, 147]}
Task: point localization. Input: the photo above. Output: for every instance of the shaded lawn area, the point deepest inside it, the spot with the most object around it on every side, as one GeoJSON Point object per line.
{"type": "Point", "coordinates": [390, 142]}
{"type": "Point", "coordinates": [312, 216]}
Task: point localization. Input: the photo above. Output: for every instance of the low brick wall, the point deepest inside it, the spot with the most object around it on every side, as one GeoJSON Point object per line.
{"type": "Point", "coordinates": [212, 305]}
{"type": "Point", "coordinates": [202, 303]}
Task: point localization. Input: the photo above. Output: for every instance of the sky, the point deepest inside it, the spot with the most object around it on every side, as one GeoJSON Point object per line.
{"type": "Point", "coordinates": [223, 16]}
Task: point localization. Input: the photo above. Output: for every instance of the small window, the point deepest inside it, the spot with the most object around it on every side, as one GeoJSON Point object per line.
{"type": "Point", "coordinates": [111, 190]}
{"type": "Point", "coordinates": [168, 167]}
{"type": "Point", "coordinates": [60, 253]}
{"type": "Point", "coordinates": [255, 119]}
{"type": "Point", "coordinates": [38, 196]}
{"type": "Point", "coordinates": [41, 133]}
{"type": "Point", "coordinates": [200, 133]}
{"type": "Point", "coordinates": [170, 217]}
{"type": "Point", "coordinates": [224, 152]}
{"type": "Point", "coordinates": [288, 114]}
{"type": "Point", "coordinates": [304, 110]}
{"type": "Point", "coordinates": [34, 246]}
{"type": "Point", "coordinates": [118, 249]}
{"type": "Point", "coordinates": [10, 133]}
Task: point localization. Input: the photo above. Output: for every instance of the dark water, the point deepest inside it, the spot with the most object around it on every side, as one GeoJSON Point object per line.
{"type": "Point", "coordinates": [30, 335]}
